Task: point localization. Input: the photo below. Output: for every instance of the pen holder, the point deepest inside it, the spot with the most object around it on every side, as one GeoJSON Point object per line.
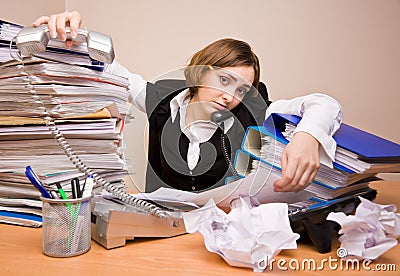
{"type": "Point", "coordinates": [66, 226]}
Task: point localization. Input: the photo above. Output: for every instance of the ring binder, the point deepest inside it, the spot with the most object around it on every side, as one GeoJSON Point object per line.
{"type": "Point", "coordinates": [335, 189]}
{"type": "Point", "coordinates": [367, 146]}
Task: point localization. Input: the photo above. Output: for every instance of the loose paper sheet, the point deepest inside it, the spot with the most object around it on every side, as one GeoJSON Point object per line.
{"type": "Point", "coordinates": [258, 186]}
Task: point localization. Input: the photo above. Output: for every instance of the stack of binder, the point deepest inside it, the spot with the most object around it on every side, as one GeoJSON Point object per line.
{"type": "Point", "coordinates": [359, 157]}
{"type": "Point", "coordinates": [89, 107]}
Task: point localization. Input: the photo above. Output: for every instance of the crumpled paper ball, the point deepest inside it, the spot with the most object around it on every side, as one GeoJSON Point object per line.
{"type": "Point", "coordinates": [370, 232]}
{"type": "Point", "coordinates": [246, 237]}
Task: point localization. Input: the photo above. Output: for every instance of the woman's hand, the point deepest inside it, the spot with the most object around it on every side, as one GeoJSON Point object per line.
{"type": "Point", "coordinates": [57, 23]}
{"type": "Point", "coordinates": [300, 163]}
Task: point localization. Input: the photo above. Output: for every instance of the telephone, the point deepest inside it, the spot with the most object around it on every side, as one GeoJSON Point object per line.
{"type": "Point", "coordinates": [218, 117]}
{"type": "Point", "coordinates": [31, 40]}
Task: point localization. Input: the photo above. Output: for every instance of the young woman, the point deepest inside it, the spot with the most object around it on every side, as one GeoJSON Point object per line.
{"type": "Point", "coordinates": [185, 150]}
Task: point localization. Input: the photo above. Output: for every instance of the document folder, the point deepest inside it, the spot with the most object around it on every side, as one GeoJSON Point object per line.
{"type": "Point", "coordinates": [369, 147]}
{"type": "Point", "coordinates": [358, 158]}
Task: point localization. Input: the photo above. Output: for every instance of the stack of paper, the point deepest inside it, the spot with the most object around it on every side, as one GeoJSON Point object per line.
{"type": "Point", "coordinates": [24, 212]}
{"type": "Point", "coordinates": [89, 107]}
{"type": "Point", "coordinates": [8, 31]}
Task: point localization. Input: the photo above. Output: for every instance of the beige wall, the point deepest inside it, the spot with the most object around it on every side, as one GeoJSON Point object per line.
{"type": "Point", "coordinates": [348, 49]}
{"type": "Point", "coordinates": [24, 12]}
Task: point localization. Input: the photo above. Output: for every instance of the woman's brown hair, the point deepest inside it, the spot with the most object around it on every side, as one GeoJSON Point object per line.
{"type": "Point", "coordinates": [226, 52]}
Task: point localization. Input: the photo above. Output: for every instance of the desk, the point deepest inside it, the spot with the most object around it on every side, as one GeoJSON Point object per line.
{"type": "Point", "coordinates": [21, 254]}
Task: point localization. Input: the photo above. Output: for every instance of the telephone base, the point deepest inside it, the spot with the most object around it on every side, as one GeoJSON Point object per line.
{"type": "Point", "coordinates": [313, 222]}
{"type": "Point", "coordinates": [113, 224]}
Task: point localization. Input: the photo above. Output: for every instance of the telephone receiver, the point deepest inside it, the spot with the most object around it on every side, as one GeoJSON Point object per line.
{"type": "Point", "coordinates": [32, 40]}
{"type": "Point", "coordinates": [218, 117]}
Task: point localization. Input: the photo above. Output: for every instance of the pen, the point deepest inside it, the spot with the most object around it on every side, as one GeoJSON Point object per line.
{"type": "Point", "coordinates": [54, 194]}
{"type": "Point", "coordinates": [88, 186]}
{"type": "Point", "coordinates": [61, 191]}
{"type": "Point", "coordinates": [78, 187]}
{"type": "Point", "coordinates": [83, 187]}
{"type": "Point", "coordinates": [76, 191]}
{"type": "Point", "coordinates": [34, 179]}
{"type": "Point", "coordinates": [64, 196]}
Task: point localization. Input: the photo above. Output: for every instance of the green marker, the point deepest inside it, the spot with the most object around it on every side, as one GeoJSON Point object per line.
{"type": "Point", "coordinates": [73, 214]}
{"type": "Point", "coordinates": [64, 196]}
{"type": "Point", "coordinates": [61, 191]}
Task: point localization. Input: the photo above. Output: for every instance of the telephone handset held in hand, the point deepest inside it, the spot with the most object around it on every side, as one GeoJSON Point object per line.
{"type": "Point", "coordinates": [31, 40]}
{"type": "Point", "coordinates": [218, 117]}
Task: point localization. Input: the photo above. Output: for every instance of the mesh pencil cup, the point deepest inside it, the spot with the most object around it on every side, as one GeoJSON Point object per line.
{"type": "Point", "coordinates": [66, 226]}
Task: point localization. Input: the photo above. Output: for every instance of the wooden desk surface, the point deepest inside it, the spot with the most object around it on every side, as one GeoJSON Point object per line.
{"type": "Point", "coordinates": [21, 254]}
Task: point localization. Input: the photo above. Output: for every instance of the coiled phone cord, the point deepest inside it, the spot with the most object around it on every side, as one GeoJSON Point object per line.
{"type": "Point", "coordinates": [218, 118]}
{"type": "Point", "coordinates": [114, 190]}
{"type": "Point", "coordinates": [227, 159]}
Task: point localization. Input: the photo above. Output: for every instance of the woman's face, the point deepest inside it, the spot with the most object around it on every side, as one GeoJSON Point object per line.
{"type": "Point", "coordinates": [224, 88]}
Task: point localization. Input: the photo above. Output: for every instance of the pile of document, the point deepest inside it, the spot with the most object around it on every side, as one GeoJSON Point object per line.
{"type": "Point", "coordinates": [349, 174]}
{"type": "Point", "coordinates": [359, 157]}
{"type": "Point", "coordinates": [88, 106]}
{"type": "Point", "coordinates": [8, 31]}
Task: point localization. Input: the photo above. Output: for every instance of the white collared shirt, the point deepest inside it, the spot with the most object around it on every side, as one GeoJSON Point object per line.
{"type": "Point", "coordinates": [198, 132]}
{"type": "Point", "coordinates": [321, 116]}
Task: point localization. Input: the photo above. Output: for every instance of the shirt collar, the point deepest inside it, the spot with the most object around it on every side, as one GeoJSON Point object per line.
{"type": "Point", "coordinates": [181, 101]}
{"type": "Point", "coordinates": [178, 101]}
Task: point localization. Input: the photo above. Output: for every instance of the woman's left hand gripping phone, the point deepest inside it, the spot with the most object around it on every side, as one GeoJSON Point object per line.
{"type": "Point", "coordinates": [31, 40]}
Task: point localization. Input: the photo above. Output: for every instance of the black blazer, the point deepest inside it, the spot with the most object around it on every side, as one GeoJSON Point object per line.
{"type": "Point", "coordinates": [167, 164]}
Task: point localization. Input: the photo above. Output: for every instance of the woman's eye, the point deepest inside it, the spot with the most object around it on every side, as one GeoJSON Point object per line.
{"type": "Point", "coordinates": [242, 91]}
{"type": "Point", "coordinates": [224, 80]}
